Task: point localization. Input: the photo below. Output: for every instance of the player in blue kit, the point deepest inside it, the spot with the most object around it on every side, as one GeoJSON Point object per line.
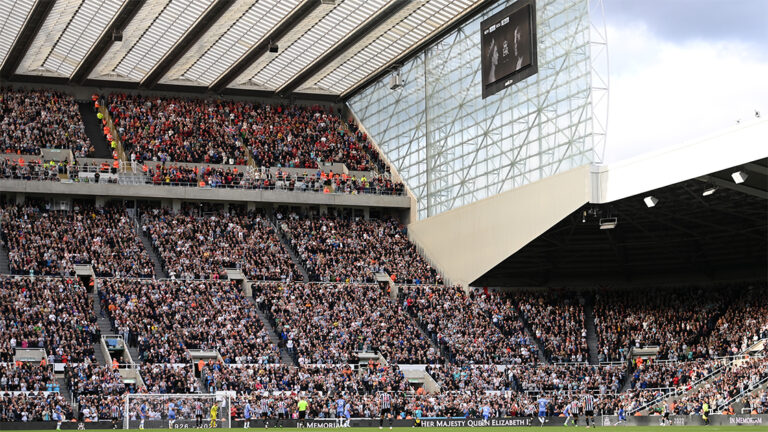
{"type": "Point", "coordinates": [171, 414]}
{"type": "Point", "coordinates": [247, 413]}
{"type": "Point", "coordinates": [340, 407]}
{"type": "Point", "coordinates": [486, 411]}
{"type": "Point", "coordinates": [142, 414]}
{"type": "Point", "coordinates": [567, 413]}
{"type": "Point", "coordinates": [542, 409]}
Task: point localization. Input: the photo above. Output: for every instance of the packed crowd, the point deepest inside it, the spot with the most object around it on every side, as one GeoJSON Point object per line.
{"type": "Point", "coordinates": [33, 406]}
{"type": "Point", "coordinates": [321, 181]}
{"type": "Point", "coordinates": [458, 323]}
{"type": "Point", "coordinates": [743, 324]}
{"type": "Point", "coordinates": [166, 318]}
{"type": "Point", "coordinates": [201, 247]}
{"type": "Point", "coordinates": [43, 242]}
{"type": "Point", "coordinates": [325, 379]}
{"type": "Point", "coordinates": [331, 323]}
{"type": "Point", "coordinates": [473, 378]}
{"type": "Point", "coordinates": [35, 169]}
{"type": "Point", "coordinates": [672, 319]}
{"type": "Point", "coordinates": [223, 132]}
{"type": "Point", "coordinates": [671, 374]}
{"type": "Point", "coordinates": [52, 313]}
{"type": "Point", "coordinates": [24, 376]}
{"type": "Point", "coordinates": [719, 392]}
{"type": "Point", "coordinates": [35, 119]}
{"type": "Point", "coordinates": [502, 312]}
{"type": "Point", "coordinates": [557, 319]}
{"type": "Point", "coordinates": [164, 379]}
{"type": "Point", "coordinates": [573, 378]}
{"type": "Point", "coordinates": [337, 249]}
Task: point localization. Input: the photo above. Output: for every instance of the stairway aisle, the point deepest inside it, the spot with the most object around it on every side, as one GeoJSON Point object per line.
{"type": "Point", "coordinates": [94, 130]}
{"type": "Point", "coordinates": [63, 387]}
{"type": "Point", "coordinates": [5, 265]}
{"type": "Point", "coordinates": [287, 245]}
{"type": "Point", "coordinates": [285, 358]}
{"type": "Point", "coordinates": [160, 272]}
{"type": "Point", "coordinates": [532, 336]}
{"type": "Point", "coordinates": [589, 320]}
{"type": "Point", "coordinates": [105, 327]}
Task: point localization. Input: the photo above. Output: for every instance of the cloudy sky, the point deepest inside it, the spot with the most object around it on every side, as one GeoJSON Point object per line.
{"type": "Point", "coordinates": [681, 69]}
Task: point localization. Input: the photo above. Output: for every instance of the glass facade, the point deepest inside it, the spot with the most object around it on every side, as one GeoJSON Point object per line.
{"type": "Point", "coordinates": [452, 147]}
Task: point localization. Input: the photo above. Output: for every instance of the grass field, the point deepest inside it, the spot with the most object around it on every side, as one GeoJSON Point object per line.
{"type": "Point", "coordinates": [492, 429]}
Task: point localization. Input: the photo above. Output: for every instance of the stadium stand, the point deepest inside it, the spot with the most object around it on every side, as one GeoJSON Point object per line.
{"type": "Point", "coordinates": [333, 323]}
{"type": "Point", "coordinates": [165, 318]}
{"type": "Point", "coordinates": [458, 323]}
{"type": "Point", "coordinates": [36, 119]}
{"type": "Point", "coordinates": [51, 313]}
{"type": "Point", "coordinates": [194, 130]}
{"type": "Point", "coordinates": [44, 242]}
{"type": "Point", "coordinates": [201, 247]}
{"type": "Point", "coordinates": [338, 249]}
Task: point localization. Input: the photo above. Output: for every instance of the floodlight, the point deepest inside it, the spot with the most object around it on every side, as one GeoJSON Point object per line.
{"type": "Point", "coordinates": [739, 177]}
{"type": "Point", "coordinates": [650, 201]}
{"type": "Point", "coordinates": [709, 191]}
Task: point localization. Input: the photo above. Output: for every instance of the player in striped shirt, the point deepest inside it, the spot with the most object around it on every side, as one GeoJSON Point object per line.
{"type": "Point", "coordinates": [198, 414]}
{"type": "Point", "coordinates": [589, 408]}
{"type": "Point", "coordinates": [114, 411]}
{"type": "Point", "coordinates": [575, 405]}
{"type": "Point", "coordinates": [385, 406]}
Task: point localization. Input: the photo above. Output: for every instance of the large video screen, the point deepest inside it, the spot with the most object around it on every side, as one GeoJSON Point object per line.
{"type": "Point", "coordinates": [508, 41]}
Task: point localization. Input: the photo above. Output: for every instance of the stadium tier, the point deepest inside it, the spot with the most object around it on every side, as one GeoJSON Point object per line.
{"type": "Point", "coordinates": [310, 214]}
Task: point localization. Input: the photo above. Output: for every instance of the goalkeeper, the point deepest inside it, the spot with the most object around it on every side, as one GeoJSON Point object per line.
{"type": "Point", "coordinates": [214, 413]}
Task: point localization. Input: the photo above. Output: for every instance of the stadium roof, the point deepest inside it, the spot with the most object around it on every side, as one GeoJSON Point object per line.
{"type": "Point", "coordinates": [707, 221]}
{"type": "Point", "coordinates": [325, 47]}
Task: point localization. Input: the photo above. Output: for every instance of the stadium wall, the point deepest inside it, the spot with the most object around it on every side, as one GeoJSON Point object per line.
{"type": "Point", "coordinates": [466, 242]}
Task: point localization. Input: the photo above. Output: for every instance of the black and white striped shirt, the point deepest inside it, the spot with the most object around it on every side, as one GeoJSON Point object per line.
{"type": "Point", "coordinates": [589, 403]}
{"type": "Point", "coordinates": [386, 401]}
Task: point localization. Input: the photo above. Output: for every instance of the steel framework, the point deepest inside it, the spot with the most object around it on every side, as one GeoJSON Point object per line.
{"type": "Point", "coordinates": [453, 148]}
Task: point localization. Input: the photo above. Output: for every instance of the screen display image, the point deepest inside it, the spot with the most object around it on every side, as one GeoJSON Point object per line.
{"type": "Point", "coordinates": [508, 47]}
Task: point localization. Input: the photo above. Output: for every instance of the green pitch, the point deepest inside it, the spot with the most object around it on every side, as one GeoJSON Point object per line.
{"type": "Point", "coordinates": [478, 429]}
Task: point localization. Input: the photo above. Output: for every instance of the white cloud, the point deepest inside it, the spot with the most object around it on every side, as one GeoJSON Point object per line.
{"type": "Point", "coordinates": [664, 93]}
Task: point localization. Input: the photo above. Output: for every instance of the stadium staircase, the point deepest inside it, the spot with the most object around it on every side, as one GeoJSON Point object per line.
{"type": "Point", "coordinates": [64, 390]}
{"type": "Point", "coordinates": [269, 324]}
{"type": "Point", "coordinates": [158, 265]}
{"type": "Point", "coordinates": [589, 321]}
{"type": "Point", "coordinates": [105, 327]}
{"type": "Point", "coordinates": [288, 247]}
{"type": "Point", "coordinates": [5, 265]}
{"type": "Point", "coordinates": [543, 358]}
{"type": "Point", "coordinates": [94, 130]}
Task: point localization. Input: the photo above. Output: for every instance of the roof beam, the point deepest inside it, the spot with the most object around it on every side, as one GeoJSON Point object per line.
{"type": "Point", "coordinates": [733, 186]}
{"type": "Point", "coordinates": [342, 46]}
{"type": "Point", "coordinates": [102, 45]}
{"type": "Point", "coordinates": [202, 25]}
{"type": "Point", "coordinates": [419, 47]}
{"type": "Point", "coordinates": [258, 50]}
{"type": "Point", "coordinates": [35, 20]}
{"type": "Point", "coordinates": [759, 169]}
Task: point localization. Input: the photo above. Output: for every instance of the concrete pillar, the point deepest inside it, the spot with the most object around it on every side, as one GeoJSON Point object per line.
{"type": "Point", "coordinates": [100, 201]}
{"type": "Point", "coordinates": [366, 213]}
{"type": "Point", "coordinates": [250, 205]}
{"type": "Point", "coordinates": [20, 197]}
{"type": "Point", "coordinates": [176, 205]}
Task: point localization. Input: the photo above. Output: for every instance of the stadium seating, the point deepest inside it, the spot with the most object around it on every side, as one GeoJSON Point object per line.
{"type": "Point", "coordinates": [43, 242]}
{"type": "Point", "coordinates": [459, 324]}
{"type": "Point", "coordinates": [201, 247]}
{"type": "Point", "coordinates": [195, 130]}
{"type": "Point", "coordinates": [51, 313]}
{"type": "Point", "coordinates": [331, 323]}
{"type": "Point", "coordinates": [35, 119]}
{"type": "Point", "coordinates": [166, 318]}
{"type": "Point", "coordinates": [336, 249]}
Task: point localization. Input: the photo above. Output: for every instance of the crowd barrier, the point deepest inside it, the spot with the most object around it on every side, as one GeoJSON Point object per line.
{"type": "Point", "coordinates": [694, 420]}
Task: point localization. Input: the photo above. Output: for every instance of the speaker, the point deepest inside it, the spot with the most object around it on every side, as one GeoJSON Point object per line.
{"type": "Point", "coordinates": [117, 36]}
{"type": "Point", "coordinates": [273, 48]}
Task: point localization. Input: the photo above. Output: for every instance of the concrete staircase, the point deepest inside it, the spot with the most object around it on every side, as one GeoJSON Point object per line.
{"type": "Point", "coordinates": [64, 390]}
{"type": "Point", "coordinates": [589, 321]}
{"type": "Point", "coordinates": [156, 262]}
{"type": "Point", "coordinates": [105, 327]}
{"type": "Point", "coordinates": [289, 248]}
{"type": "Point", "coordinates": [94, 130]}
{"type": "Point", "coordinates": [5, 265]}
{"type": "Point", "coordinates": [543, 359]}
{"type": "Point", "coordinates": [285, 358]}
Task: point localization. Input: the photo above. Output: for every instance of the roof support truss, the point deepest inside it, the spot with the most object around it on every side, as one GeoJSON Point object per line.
{"type": "Point", "coordinates": [36, 17]}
